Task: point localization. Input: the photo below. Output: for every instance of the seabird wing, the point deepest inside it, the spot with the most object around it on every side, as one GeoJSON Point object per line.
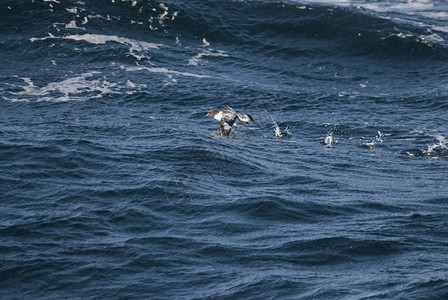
{"type": "Point", "coordinates": [245, 118]}
{"type": "Point", "coordinates": [228, 108]}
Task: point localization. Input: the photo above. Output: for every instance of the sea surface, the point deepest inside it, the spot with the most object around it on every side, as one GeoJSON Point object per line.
{"type": "Point", "coordinates": [114, 184]}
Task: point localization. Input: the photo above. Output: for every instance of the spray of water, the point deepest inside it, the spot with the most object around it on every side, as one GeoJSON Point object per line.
{"type": "Point", "coordinates": [329, 139]}
{"type": "Point", "coordinates": [378, 140]}
{"type": "Point", "coordinates": [277, 131]}
{"type": "Point", "coordinates": [435, 150]}
{"type": "Point", "coordinates": [437, 147]}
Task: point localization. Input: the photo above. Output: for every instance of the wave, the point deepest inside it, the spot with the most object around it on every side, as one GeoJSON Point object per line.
{"type": "Point", "coordinates": [297, 30]}
{"type": "Point", "coordinates": [271, 28]}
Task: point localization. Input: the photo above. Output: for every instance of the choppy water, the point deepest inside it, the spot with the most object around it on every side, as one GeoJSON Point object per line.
{"type": "Point", "coordinates": [113, 183]}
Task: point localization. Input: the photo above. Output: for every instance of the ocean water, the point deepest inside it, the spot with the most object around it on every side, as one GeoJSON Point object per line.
{"type": "Point", "coordinates": [114, 184]}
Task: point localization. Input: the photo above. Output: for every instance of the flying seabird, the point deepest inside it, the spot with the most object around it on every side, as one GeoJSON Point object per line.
{"type": "Point", "coordinates": [228, 118]}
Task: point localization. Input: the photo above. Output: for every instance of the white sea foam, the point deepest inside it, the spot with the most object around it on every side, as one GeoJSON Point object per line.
{"type": "Point", "coordinates": [71, 89]}
{"type": "Point", "coordinates": [164, 71]}
{"type": "Point", "coordinates": [204, 53]}
{"type": "Point", "coordinates": [72, 10]}
{"type": "Point", "coordinates": [130, 84]}
{"type": "Point", "coordinates": [195, 59]}
{"type": "Point", "coordinates": [163, 15]}
{"type": "Point", "coordinates": [72, 25]}
{"type": "Point", "coordinates": [435, 10]}
{"type": "Point", "coordinates": [381, 6]}
{"type": "Point", "coordinates": [97, 39]}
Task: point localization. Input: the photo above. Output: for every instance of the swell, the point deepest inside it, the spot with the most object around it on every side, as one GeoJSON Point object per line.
{"type": "Point", "coordinates": [270, 28]}
{"type": "Point", "coordinates": [293, 30]}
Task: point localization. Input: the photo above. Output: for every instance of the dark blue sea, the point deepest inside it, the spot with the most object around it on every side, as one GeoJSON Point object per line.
{"type": "Point", "coordinates": [114, 184]}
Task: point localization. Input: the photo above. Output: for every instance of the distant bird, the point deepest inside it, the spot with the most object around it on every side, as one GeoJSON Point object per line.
{"type": "Point", "coordinates": [228, 119]}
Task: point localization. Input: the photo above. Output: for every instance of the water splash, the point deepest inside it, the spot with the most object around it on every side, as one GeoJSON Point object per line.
{"type": "Point", "coordinates": [436, 150]}
{"type": "Point", "coordinates": [379, 137]}
{"type": "Point", "coordinates": [277, 131]}
{"type": "Point", "coordinates": [329, 140]}
{"type": "Point", "coordinates": [378, 140]}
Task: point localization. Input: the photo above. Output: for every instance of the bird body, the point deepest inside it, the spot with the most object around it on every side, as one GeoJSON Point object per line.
{"type": "Point", "coordinates": [228, 119]}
